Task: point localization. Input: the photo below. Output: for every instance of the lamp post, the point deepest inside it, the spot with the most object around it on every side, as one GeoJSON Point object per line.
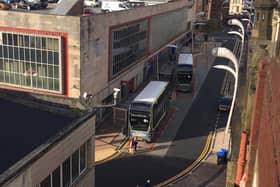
{"type": "Point", "coordinates": [236, 22]}
{"type": "Point", "coordinates": [226, 53]}
{"type": "Point", "coordinates": [242, 42]}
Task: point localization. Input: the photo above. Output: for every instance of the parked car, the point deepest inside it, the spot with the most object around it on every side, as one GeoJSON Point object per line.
{"type": "Point", "coordinates": [32, 4]}
{"type": "Point", "coordinates": [225, 103]}
{"type": "Point", "coordinates": [110, 6]}
{"type": "Point", "coordinates": [91, 3]}
{"type": "Point", "coordinates": [5, 4]}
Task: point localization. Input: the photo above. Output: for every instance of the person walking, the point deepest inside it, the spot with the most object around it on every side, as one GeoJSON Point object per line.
{"type": "Point", "coordinates": [148, 183]}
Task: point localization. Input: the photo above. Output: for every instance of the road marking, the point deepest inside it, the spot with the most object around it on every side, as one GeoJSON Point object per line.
{"type": "Point", "coordinates": [190, 168]}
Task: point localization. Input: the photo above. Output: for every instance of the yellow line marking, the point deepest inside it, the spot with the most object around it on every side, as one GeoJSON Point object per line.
{"type": "Point", "coordinates": [192, 166]}
{"type": "Point", "coordinates": [115, 155]}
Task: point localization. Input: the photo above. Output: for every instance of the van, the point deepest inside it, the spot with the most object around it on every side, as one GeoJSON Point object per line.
{"type": "Point", "coordinates": [110, 6]}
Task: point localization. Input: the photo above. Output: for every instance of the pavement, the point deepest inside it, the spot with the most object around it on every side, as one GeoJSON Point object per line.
{"type": "Point", "coordinates": [109, 139]}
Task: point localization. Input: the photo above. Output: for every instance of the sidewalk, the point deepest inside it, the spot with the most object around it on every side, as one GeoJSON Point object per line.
{"type": "Point", "coordinates": [208, 173]}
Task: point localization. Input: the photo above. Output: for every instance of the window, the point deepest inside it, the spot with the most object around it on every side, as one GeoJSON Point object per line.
{"type": "Point", "coordinates": [66, 174]}
{"type": "Point", "coordinates": [23, 48]}
{"type": "Point", "coordinates": [128, 46]}
{"type": "Point", "coordinates": [46, 182]}
{"type": "Point", "coordinates": [75, 165]}
{"type": "Point", "coordinates": [82, 158]}
{"type": "Point", "coordinates": [56, 177]}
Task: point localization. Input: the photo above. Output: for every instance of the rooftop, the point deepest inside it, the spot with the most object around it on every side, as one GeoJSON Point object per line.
{"type": "Point", "coordinates": [23, 129]}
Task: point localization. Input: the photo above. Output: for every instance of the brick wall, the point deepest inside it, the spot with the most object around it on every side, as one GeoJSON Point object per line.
{"type": "Point", "coordinates": [263, 164]}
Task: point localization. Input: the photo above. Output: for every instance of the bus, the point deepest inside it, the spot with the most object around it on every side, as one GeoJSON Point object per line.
{"type": "Point", "coordinates": [148, 109]}
{"type": "Point", "coordinates": [184, 72]}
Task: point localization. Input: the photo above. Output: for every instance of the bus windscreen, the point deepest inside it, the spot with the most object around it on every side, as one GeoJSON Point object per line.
{"type": "Point", "coordinates": [139, 116]}
{"type": "Point", "coordinates": [184, 77]}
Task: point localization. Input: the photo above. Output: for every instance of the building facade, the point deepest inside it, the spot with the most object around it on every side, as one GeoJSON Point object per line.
{"type": "Point", "coordinates": [59, 58]}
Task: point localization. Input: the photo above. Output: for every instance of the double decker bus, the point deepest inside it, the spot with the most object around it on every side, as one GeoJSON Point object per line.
{"type": "Point", "coordinates": [184, 72]}
{"type": "Point", "coordinates": [148, 109]}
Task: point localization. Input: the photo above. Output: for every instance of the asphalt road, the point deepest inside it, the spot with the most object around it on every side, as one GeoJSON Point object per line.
{"type": "Point", "coordinates": [169, 158]}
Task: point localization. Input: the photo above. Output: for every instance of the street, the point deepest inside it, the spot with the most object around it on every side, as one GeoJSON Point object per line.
{"type": "Point", "coordinates": [191, 117]}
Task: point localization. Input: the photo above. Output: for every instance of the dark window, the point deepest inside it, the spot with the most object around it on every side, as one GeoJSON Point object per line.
{"type": "Point", "coordinates": [56, 177]}
{"type": "Point", "coordinates": [5, 50]}
{"type": "Point", "coordinates": [11, 53]}
{"type": "Point", "coordinates": [16, 53]}
{"type": "Point", "coordinates": [46, 182]}
{"type": "Point", "coordinates": [44, 43]}
{"type": "Point", "coordinates": [75, 165]}
{"type": "Point", "coordinates": [10, 39]}
{"type": "Point", "coordinates": [4, 38]}
{"type": "Point", "coordinates": [82, 157]}
{"type": "Point", "coordinates": [50, 57]}
{"type": "Point", "coordinates": [32, 41]}
{"type": "Point", "coordinates": [27, 55]}
{"type": "Point", "coordinates": [66, 173]}
{"type": "Point", "coordinates": [26, 41]}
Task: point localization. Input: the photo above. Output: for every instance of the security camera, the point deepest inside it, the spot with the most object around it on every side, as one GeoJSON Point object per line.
{"type": "Point", "coordinates": [117, 89]}
{"type": "Point", "coordinates": [87, 95]}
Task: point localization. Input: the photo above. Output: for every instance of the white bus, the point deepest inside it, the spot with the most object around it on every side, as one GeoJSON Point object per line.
{"type": "Point", "coordinates": [148, 109]}
{"type": "Point", "coordinates": [184, 72]}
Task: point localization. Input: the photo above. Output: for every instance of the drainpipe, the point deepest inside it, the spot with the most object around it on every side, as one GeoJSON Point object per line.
{"type": "Point", "coordinates": [241, 158]}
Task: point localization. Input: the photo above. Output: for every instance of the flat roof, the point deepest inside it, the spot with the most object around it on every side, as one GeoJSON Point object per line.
{"type": "Point", "coordinates": [151, 92]}
{"type": "Point", "coordinates": [23, 129]}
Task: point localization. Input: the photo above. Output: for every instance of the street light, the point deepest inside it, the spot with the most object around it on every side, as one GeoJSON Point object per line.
{"type": "Point", "coordinates": [242, 42]}
{"type": "Point", "coordinates": [226, 53]}
{"type": "Point", "coordinates": [236, 22]}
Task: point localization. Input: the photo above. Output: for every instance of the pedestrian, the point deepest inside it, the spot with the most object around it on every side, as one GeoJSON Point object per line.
{"type": "Point", "coordinates": [134, 144]}
{"type": "Point", "coordinates": [148, 183]}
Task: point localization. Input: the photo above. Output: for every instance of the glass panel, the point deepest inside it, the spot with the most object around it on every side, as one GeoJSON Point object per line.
{"type": "Point", "coordinates": [75, 165]}
{"type": "Point", "coordinates": [82, 157]}
{"type": "Point", "coordinates": [46, 182]}
{"type": "Point", "coordinates": [50, 82]}
{"type": "Point", "coordinates": [38, 43]}
{"type": "Point", "coordinates": [56, 59]}
{"type": "Point", "coordinates": [50, 57]}
{"type": "Point", "coordinates": [10, 39]}
{"type": "Point", "coordinates": [56, 72]}
{"type": "Point", "coordinates": [17, 80]}
{"type": "Point", "coordinates": [32, 41]}
{"type": "Point", "coordinates": [1, 64]}
{"type": "Point", "coordinates": [44, 43]}
{"type": "Point", "coordinates": [20, 40]}
{"type": "Point", "coordinates": [56, 44]}
{"type": "Point", "coordinates": [44, 56]}
{"type": "Point", "coordinates": [49, 43]}
{"type": "Point", "coordinates": [26, 41]}
{"type": "Point", "coordinates": [33, 55]}
{"type": "Point", "coordinates": [38, 55]}
{"type": "Point", "coordinates": [16, 53]}
{"type": "Point", "coordinates": [4, 38]}
{"type": "Point", "coordinates": [56, 177]}
{"type": "Point", "coordinates": [15, 39]}
{"type": "Point", "coordinates": [27, 55]}
{"type": "Point", "coordinates": [5, 51]}
{"type": "Point", "coordinates": [1, 76]}
{"type": "Point", "coordinates": [56, 84]}
{"type": "Point", "coordinates": [1, 53]}
{"type": "Point", "coordinates": [66, 173]}
{"type": "Point", "coordinates": [11, 52]}
{"type": "Point", "coordinates": [21, 53]}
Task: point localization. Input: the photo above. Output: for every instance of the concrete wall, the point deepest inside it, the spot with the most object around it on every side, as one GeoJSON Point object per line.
{"type": "Point", "coordinates": [48, 162]}
{"type": "Point", "coordinates": [68, 25]}
{"type": "Point", "coordinates": [95, 42]}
